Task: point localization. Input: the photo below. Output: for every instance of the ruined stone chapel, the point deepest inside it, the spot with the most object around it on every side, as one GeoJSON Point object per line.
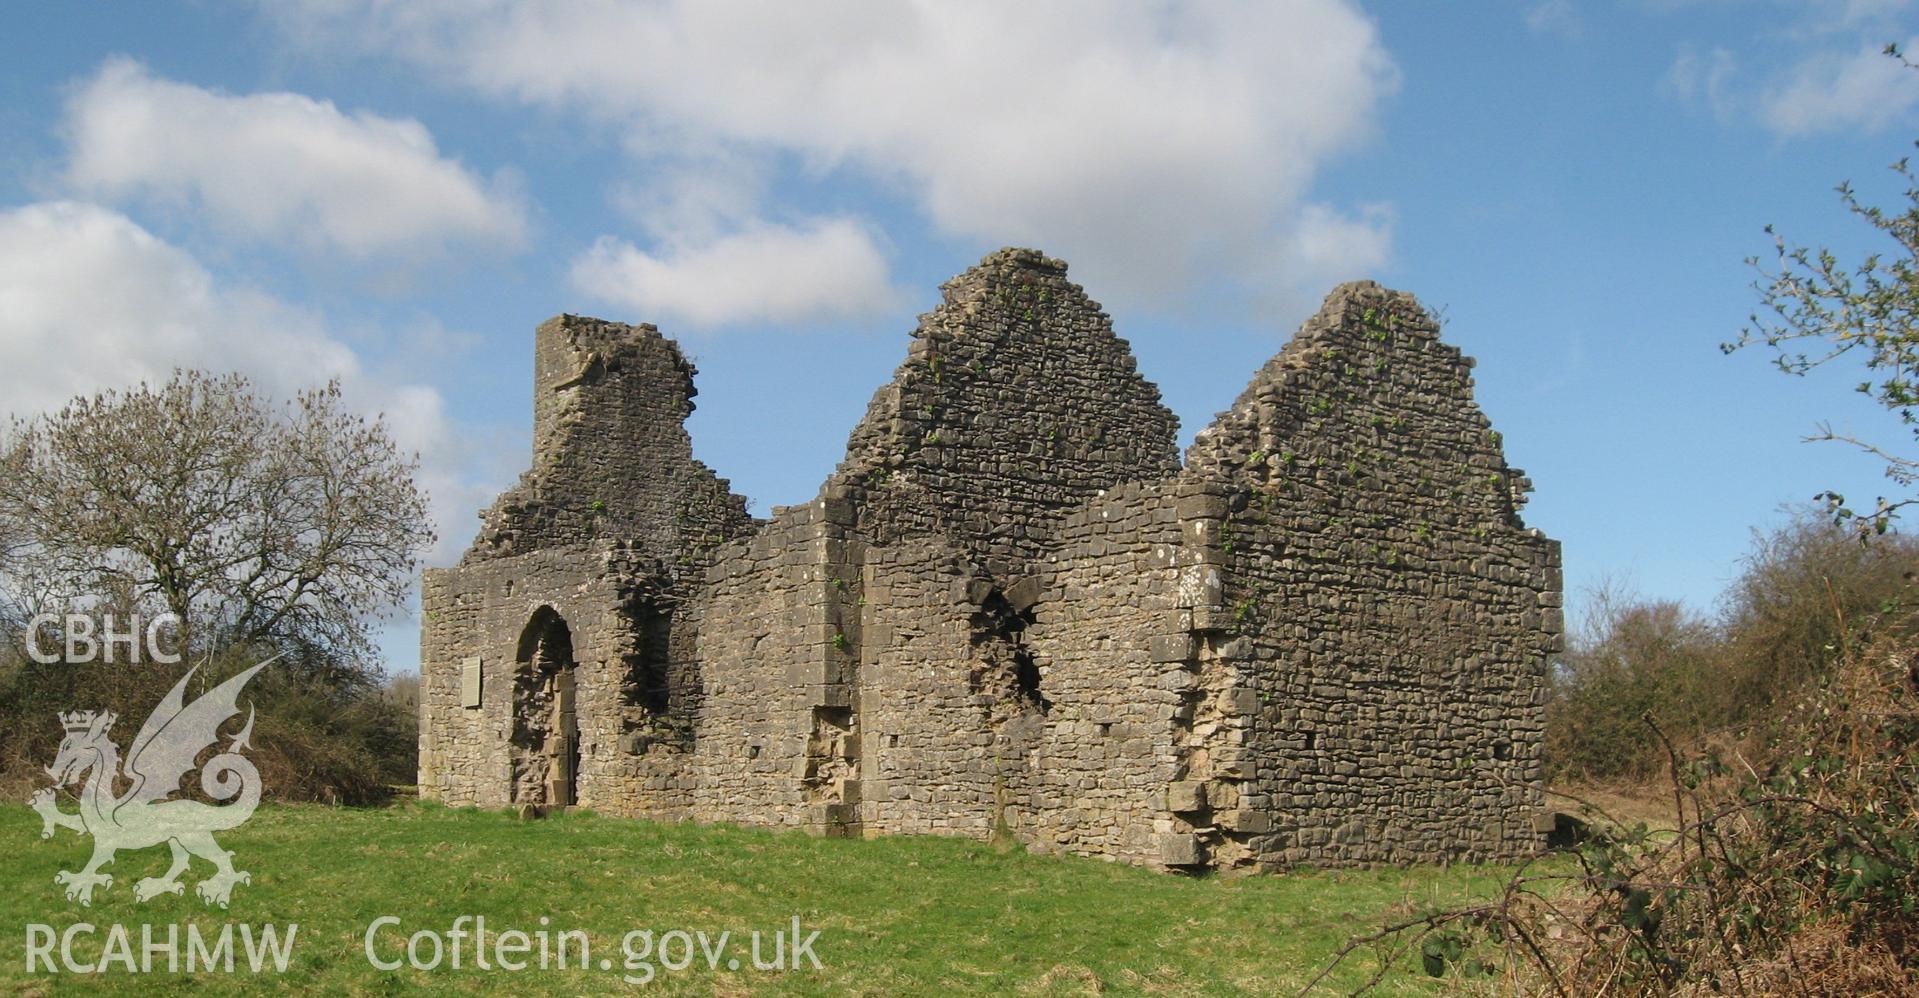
{"type": "Point", "coordinates": [1013, 610]}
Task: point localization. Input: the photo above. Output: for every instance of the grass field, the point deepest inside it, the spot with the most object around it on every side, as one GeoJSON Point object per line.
{"type": "Point", "coordinates": [902, 915]}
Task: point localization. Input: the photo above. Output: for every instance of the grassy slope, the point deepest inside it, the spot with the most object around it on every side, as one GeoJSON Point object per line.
{"type": "Point", "coordinates": [900, 915]}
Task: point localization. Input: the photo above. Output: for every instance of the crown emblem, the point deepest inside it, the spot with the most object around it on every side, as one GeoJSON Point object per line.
{"type": "Point", "coordinates": [83, 720]}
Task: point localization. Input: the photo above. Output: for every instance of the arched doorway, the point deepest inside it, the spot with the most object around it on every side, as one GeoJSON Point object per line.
{"type": "Point", "coordinates": [546, 730]}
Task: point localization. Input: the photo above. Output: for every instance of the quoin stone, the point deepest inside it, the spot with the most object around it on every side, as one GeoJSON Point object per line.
{"type": "Point", "coordinates": [1014, 611]}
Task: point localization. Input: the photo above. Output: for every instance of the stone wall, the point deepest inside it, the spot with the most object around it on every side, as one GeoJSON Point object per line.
{"type": "Point", "coordinates": [1383, 612]}
{"type": "Point", "coordinates": [779, 673]}
{"type": "Point", "coordinates": [1012, 612]}
{"type": "Point", "coordinates": [611, 530]}
{"type": "Point", "coordinates": [1109, 747]}
{"type": "Point", "coordinates": [1016, 404]}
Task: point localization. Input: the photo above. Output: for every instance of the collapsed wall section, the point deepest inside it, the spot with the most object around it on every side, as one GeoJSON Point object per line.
{"type": "Point", "coordinates": [1382, 613]}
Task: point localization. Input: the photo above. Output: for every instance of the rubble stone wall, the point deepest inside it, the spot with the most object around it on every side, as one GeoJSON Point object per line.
{"type": "Point", "coordinates": [611, 456]}
{"type": "Point", "coordinates": [1016, 404]}
{"type": "Point", "coordinates": [1110, 742]}
{"type": "Point", "coordinates": [1385, 613]}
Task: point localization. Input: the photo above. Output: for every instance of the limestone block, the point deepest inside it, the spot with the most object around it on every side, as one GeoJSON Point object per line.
{"type": "Point", "coordinates": [1181, 849]}
{"type": "Point", "coordinates": [1171, 648]}
{"type": "Point", "coordinates": [1245, 820]}
{"type": "Point", "coordinates": [1186, 796]}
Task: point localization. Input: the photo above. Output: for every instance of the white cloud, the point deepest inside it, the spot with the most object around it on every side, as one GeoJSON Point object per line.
{"type": "Point", "coordinates": [1154, 145]}
{"type": "Point", "coordinates": [1555, 17]}
{"type": "Point", "coordinates": [1706, 79]}
{"type": "Point", "coordinates": [697, 201]}
{"type": "Point", "coordinates": [281, 167]}
{"type": "Point", "coordinates": [1329, 247]}
{"type": "Point", "coordinates": [89, 300]}
{"type": "Point", "coordinates": [1843, 14]}
{"type": "Point", "coordinates": [1833, 91]}
{"type": "Point", "coordinates": [824, 269]}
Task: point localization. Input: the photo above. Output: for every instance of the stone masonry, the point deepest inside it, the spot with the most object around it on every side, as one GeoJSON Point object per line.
{"type": "Point", "coordinates": [1013, 611]}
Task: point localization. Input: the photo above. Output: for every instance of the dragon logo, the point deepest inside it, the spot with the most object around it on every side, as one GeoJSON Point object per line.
{"type": "Point", "coordinates": [164, 751]}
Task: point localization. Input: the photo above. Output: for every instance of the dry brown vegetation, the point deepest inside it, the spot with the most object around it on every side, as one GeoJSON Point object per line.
{"type": "Point", "coordinates": [1810, 593]}
{"type": "Point", "coordinates": [325, 734]}
{"type": "Point", "coordinates": [1751, 790]}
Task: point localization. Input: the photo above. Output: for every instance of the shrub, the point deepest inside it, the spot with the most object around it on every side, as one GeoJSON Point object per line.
{"type": "Point", "coordinates": [1809, 593]}
{"type": "Point", "coordinates": [322, 732]}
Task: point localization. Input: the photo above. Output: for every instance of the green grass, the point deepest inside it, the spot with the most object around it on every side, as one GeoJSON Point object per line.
{"type": "Point", "coordinates": [897, 915]}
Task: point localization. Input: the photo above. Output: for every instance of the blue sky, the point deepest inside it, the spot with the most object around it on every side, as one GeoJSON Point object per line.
{"type": "Point", "coordinates": [397, 194]}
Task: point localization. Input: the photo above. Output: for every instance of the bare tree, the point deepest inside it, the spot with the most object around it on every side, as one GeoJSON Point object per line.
{"type": "Point", "coordinates": [1818, 311]}
{"type": "Point", "coordinates": [290, 524]}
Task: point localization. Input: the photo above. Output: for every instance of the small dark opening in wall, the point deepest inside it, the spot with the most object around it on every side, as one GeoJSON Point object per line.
{"type": "Point", "coordinates": [1311, 738]}
{"type": "Point", "coordinates": [1026, 675]}
{"type": "Point", "coordinates": [1502, 751]}
{"type": "Point", "coordinates": [647, 681]}
{"type": "Point", "coordinates": [1006, 668]}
